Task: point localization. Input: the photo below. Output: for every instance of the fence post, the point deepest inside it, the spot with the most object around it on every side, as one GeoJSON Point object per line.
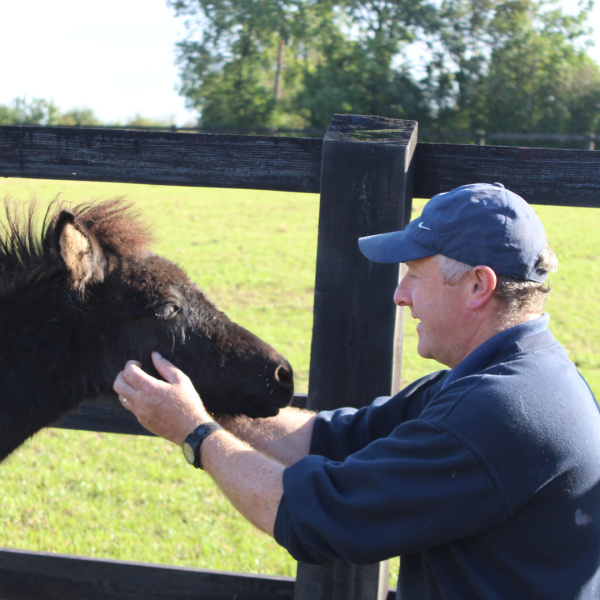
{"type": "Point", "coordinates": [366, 181]}
{"type": "Point", "coordinates": [590, 143]}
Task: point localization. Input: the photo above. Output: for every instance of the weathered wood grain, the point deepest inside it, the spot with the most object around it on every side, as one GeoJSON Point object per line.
{"type": "Point", "coordinates": [160, 157]}
{"type": "Point", "coordinates": [540, 175]}
{"type": "Point", "coordinates": [28, 575]}
{"type": "Point", "coordinates": [365, 189]}
{"type": "Point", "coordinates": [43, 576]}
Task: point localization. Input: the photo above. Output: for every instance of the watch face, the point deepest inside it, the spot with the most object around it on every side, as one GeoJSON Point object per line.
{"type": "Point", "coordinates": [188, 452]}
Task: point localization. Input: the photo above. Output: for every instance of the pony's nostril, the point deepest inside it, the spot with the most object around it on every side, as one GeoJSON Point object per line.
{"type": "Point", "coordinates": [284, 375]}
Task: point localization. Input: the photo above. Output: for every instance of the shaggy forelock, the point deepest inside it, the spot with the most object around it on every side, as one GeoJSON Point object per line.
{"type": "Point", "coordinates": [116, 226]}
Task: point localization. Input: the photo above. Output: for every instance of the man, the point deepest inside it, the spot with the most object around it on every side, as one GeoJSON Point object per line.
{"type": "Point", "coordinates": [484, 478]}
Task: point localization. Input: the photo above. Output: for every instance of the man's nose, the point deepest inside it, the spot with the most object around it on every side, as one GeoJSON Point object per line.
{"type": "Point", "coordinates": [402, 293]}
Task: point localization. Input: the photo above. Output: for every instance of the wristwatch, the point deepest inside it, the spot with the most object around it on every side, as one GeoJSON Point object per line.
{"type": "Point", "coordinates": [192, 443]}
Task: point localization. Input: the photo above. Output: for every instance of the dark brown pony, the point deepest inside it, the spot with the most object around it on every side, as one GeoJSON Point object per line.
{"type": "Point", "coordinates": [85, 294]}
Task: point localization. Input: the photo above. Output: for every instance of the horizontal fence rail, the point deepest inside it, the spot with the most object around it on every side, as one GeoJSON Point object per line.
{"type": "Point", "coordinates": [96, 579]}
{"type": "Point", "coordinates": [164, 158]}
{"type": "Point", "coordinates": [105, 414]}
{"type": "Point", "coordinates": [586, 140]}
{"type": "Point", "coordinates": [85, 578]}
{"type": "Point", "coordinates": [541, 175]}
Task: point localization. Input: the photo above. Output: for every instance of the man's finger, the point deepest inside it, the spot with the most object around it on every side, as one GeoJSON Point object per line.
{"type": "Point", "coordinates": [137, 378]}
{"type": "Point", "coordinates": [168, 371]}
{"type": "Point", "coordinates": [124, 390]}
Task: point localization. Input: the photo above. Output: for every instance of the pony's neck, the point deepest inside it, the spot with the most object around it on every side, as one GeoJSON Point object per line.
{"type": "Point", "coordinates": [42, 355]}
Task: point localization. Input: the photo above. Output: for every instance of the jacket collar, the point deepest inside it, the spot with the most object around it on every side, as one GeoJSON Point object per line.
{"type": "Point", "coordinates": [511, 338]}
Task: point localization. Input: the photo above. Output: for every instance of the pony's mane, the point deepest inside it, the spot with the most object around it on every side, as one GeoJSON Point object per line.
{"type": "Point", "coordinates": [27, 243]}
{"type": "Point", "coordinates": [116, 226]}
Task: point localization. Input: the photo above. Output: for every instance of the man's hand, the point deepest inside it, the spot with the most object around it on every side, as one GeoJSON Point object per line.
{"type": "Point", "coordinates": [171, 409]}
{"type": "Point", "coordinates": [251, 478]}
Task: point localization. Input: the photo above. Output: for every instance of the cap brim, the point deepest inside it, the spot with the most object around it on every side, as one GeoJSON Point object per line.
{"type": "Point", "coordinates": [394, 247]}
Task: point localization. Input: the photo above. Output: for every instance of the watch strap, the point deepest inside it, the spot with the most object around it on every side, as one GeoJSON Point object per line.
{"type": "Point", "coordinates": [192, 443]}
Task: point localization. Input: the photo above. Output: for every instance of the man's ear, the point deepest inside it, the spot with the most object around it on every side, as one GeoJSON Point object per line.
{"type": "Point", "coordinates": [483, 283]}
{"type": "Point", "coordinates": [75, 245]}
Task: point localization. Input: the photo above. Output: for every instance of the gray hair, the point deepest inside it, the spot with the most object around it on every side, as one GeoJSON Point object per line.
{"type": "Point", "coordinates": [517, 296]}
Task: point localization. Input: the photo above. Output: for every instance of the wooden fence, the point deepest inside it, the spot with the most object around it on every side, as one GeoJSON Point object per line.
{"type": "Point", "coordinates": [587, 141]}
{"type": "Point", "coordinates": [367, 170]}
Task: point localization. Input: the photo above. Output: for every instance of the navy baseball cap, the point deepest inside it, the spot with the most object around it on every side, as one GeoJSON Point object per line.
{"type": "Point", "coordinates": [477, 224]}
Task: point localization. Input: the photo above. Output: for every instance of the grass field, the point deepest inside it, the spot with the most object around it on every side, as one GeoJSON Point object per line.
{"type": "Point", "coordinates": [253, 252]}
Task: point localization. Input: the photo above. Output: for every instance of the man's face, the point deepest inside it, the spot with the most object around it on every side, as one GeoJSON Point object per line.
{"type": "Point", "coordinates": [439, 307]}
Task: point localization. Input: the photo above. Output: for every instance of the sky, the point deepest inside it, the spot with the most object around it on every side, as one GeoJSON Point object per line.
{"type": "Point", "coordinates": [116, 57]}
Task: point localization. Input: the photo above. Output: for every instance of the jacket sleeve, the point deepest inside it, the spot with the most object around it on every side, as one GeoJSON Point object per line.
{"type": "Point", "coordinates": [339, 433]}
{"type": "Point", "coordinates": [396, 508]}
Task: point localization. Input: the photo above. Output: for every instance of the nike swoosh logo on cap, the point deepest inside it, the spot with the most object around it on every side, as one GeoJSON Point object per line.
{"type": "Point", "coordinates": [423, 226]}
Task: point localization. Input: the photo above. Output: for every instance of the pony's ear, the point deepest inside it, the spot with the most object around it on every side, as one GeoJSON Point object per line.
{"type": "Point", "coordinates": [81, 255]}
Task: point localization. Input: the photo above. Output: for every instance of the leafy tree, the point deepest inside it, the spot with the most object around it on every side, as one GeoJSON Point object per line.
{"type": "Point", "coordinates": [514, 66]}
{"type": "Point", "coordinates": [43, 112]}
{"type": "Point", "coordinates": [29, 112]}
{"type": "Point", "coordinates": [584, 94]}
{"type": "Point", "coordinates": [497, 65]}
{"type": "Point", "coordinates": [356, 67]}
{"type": "Point", "coordinates": [6, 115]}
{"type": "Point", "coordinates": [229, 58]}
{"type": "Point", "coordinates": [538, 67]}
{"type": "Point", "coordinates": [140, 121]}
{"type": "Point", "coordinates": [338, 57]}
{"type": "Point", "coordinates": [79, 116]}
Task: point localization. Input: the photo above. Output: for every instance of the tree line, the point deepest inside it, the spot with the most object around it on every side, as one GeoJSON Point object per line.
{"type": "Point", "coordinates": [39, 111]}
{"type": "Point", "coordinates": [495, 66]}
{"type": "Point", "coordinates": [452, 65]}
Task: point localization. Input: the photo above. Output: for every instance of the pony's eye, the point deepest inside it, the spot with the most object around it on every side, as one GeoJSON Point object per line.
{"type": "Point", "coordinates": [167, 311]}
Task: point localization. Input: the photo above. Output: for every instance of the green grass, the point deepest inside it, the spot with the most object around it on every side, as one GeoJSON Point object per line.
{"type": "Point", "coordinates": [125, 498]}
{"type": "Point", "coordinates": [253, 252]}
